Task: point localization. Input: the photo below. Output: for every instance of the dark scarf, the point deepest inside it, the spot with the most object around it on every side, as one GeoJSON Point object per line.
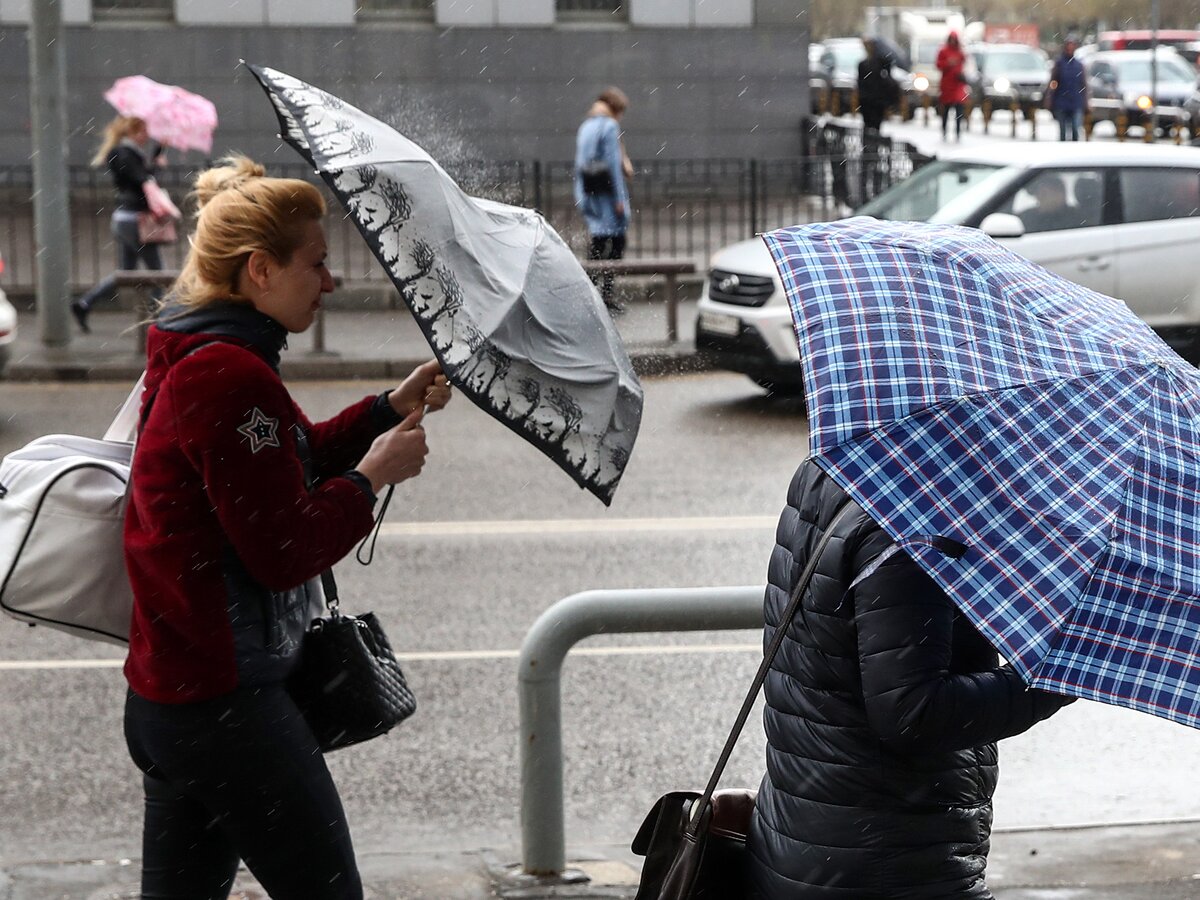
{"type": "Point", "coordinates": [231, 318]}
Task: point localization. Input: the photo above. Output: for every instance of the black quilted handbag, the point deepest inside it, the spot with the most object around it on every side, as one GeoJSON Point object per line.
{"type": "Point", "coordinates": [347, 682]}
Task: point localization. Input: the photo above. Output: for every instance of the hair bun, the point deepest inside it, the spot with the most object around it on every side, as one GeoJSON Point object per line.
{"type": "Point", "coordinates": [231, 172]}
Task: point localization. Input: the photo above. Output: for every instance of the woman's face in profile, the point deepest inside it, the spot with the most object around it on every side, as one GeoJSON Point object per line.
{"type": "Point", "coordinates": [293, 292]}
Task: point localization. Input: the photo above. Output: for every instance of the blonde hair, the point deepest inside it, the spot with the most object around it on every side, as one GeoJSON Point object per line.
{"type": "Point", "coordinates": [241, 210]}
{"type": "Point", "coordinates": [116, 131]}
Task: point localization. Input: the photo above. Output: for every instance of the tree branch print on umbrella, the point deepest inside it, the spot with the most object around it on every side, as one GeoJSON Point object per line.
{"type": "Point", "coordinates": [508, 310]}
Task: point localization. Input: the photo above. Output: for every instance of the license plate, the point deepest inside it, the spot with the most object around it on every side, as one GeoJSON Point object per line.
{"type": "Point", "coordinates": [726, 326]}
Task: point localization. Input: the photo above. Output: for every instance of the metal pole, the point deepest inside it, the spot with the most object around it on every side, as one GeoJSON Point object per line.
{"type": "Point", "coordinates": [51, 201]}
{"type": "Point", "coordinates": [542, 655]}
{"type": "Point", "coordinates": [1153, 69]}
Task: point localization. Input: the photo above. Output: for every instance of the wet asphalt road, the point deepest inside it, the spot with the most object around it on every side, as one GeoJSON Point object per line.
{"type": "Point", "coordinates": [461, 598]}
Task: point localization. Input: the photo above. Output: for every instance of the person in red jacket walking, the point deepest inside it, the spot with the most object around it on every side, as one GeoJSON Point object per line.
{"type": "Point", "coordinates": [237, 504]}
{"type": "Point", "coordinates": [954, 91]}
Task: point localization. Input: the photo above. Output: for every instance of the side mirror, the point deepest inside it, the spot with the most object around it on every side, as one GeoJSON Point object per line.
{"type": "Point", "coordinates": [1002, 225]}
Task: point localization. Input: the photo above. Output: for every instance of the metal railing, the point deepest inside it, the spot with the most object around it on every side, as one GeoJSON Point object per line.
{"type": "Point", "coordinates": [543, 652]}
{"type": "Point", "coordinates": [681, 208]}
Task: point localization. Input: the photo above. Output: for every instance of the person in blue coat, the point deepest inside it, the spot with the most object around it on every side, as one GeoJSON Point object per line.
{"type": "Point", "coordinates": [1068, 92]}
{"type": "Point", "coordinates": [601, 189]}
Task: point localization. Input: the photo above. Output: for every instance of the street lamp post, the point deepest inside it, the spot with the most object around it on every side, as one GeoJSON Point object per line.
{"type": "Point", "coordinates": [51, 209]}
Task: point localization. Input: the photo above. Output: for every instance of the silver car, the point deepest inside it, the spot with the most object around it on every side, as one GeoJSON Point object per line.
{"type": "Point", "coordinates": [1122, 219]}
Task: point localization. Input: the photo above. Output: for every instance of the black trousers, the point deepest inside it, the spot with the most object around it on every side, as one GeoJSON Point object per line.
{"type": "Point", "coordinates": [237, 777]}
{"type": "Point", "coordinates": [606, 246]}
{"type": "Point", "coordinates": [958, 118]}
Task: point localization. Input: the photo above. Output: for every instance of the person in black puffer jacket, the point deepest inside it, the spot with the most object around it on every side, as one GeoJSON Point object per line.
{"type": "Point", "coordinates": [883, 709]}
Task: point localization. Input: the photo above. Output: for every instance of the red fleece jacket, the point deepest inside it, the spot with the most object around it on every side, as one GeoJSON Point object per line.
{"type": "Point", "coordinates": [216, 469]}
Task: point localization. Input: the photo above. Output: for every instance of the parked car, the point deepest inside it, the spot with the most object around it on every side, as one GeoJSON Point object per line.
{"type": "Point", "coordinates": [1128, 226]}
{"type": "Point", "coordinates": [8, 325]}
{"type": "Point", "coordinates": [1119, 84]}
{"type": "Point", "coordinates": [1008, 74]}
{"type": "Point", "coordinates": [1179, 38]}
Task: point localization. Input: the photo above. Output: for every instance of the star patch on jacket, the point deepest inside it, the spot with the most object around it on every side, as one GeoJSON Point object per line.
{"type": "Point", "coordinates": [260, 430]}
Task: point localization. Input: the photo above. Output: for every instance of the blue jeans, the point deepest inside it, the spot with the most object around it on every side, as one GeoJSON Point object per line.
{"type": "Point", "coordinates": [130, 251]}
{"type": "Point", "coordinates": [1069, 120]}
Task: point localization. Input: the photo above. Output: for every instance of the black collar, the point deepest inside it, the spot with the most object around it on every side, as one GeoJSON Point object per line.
{"type": "Point", "coordinates": [237, 320]}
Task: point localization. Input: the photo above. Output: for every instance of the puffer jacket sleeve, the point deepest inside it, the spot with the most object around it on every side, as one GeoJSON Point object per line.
{"type": "Point", "coordinates": [914, 701]}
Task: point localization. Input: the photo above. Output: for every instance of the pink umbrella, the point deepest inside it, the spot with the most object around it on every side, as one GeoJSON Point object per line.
{"type": "Point", "coordinates": [173, 116]}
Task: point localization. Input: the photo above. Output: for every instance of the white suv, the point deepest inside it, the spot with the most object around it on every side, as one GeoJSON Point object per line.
{"type": "Point", "coordinates": [1122, 219]}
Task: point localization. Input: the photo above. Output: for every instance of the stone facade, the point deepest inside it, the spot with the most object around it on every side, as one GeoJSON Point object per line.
{"type": "Point", "coordinates": [480, 79]}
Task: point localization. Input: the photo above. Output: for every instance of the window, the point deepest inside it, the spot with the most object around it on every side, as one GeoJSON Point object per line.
{"type": "Point", "coordinates": [395, 9]}
{"type": "Point", "coordinates": [1054, 200]}
{"type": "Point", "coordinates": [591, 10]}
{"type": "Point", "coordinates": [1154, 194]}
{"type": "Point", "coordinates": [138, 10]}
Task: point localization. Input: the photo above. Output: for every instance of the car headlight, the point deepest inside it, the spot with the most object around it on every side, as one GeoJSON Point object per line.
{"type": "Point", "coordinates": [1144, 103]}
{"type": "Point", "coordinates": [1001, 85]}
{"type": "Point", "coordinates": [921, 83]}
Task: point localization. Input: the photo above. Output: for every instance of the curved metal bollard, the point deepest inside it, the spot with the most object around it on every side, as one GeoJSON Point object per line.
{"type": "Point", "coordinates": [542, 655]}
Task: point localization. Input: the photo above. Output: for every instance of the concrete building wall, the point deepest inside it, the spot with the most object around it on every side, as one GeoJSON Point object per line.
{"type": "Point", "coordinates": [504, 91]}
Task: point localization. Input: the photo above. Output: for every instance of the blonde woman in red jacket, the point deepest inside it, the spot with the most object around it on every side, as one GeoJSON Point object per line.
{"type": "Point", "coordinates": [954, 91]}
{"type": "Point", "coordinates": [238, 503]}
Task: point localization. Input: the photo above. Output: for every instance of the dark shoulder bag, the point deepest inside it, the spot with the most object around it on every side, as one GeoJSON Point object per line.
{"type": "Point", "coordinates": [695, 843]}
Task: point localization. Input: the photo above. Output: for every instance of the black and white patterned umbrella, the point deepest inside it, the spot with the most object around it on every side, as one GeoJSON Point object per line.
{"type": "Point", "coordinates": [505, 305]}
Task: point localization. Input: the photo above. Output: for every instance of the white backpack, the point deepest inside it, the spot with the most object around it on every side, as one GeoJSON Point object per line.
{"type": "Point", "coordinates": [62, 512]}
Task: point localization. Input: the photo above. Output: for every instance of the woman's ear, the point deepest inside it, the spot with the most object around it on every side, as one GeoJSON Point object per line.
{"type": "Point", "coordinates": [259, 267]}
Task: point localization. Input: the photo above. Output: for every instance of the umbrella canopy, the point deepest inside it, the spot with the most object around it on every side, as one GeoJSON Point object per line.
{"type": "Point", "coordinates": [173, 116]}
{"type": "Point", "coordinates": [502, 300]}
{"type": "Point", "coordinates": [891, 51]}
{"type": "Point", "coordinates": [1033, 445]}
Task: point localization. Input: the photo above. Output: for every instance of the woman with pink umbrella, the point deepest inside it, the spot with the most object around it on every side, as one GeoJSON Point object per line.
{"type": "Point", "coordinates": [131, 159]}
{"type": "Point", "coordinates": [151, 116]}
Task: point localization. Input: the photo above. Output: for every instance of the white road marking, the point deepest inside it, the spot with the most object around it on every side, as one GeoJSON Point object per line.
{"type": "Point", "coordinates": [578, 526]}
{"type": "Point", "coordinates": [28, 665]}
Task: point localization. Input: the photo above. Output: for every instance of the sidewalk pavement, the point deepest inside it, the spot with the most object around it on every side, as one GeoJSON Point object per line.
{"type": "Point", "coordinates": [375, 343]}
{"type": "Point", "coordinates": [1156, 861]}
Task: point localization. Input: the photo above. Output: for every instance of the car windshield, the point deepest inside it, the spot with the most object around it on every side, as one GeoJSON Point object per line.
{"type": "Point", "coordinates": [847, 56]}
{"type": "Point", "coordinates": [1139, 70]}
{"type": "Point", "coordinates": [945, 191]}
{"type": "Point", "coordinates": [1007, 62]}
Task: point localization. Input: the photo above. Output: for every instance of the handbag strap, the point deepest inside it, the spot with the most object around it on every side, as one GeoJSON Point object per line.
{"type": "Point", "coordinates": [329, 586]}
{"type": "Point", "coordinates": [844, 511]}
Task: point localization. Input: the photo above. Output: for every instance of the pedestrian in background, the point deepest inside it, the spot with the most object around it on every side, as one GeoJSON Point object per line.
{"type": "Point", "coordinates": [877, 90]}
{"type": "Point", "coordinates": [883, 709]}
{"type": "Point", "coordinates": [1068, 91]}
{"type": "Point", "coordinates": [132, 159]}
{"type": "Point", "coordinates": [953, 90]}
{"type": "Point", "coordinates": [237, 503]}
{"type": "Point", "coordinates": [601, 189]}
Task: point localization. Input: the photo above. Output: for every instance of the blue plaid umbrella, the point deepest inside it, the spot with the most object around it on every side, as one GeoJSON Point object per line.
{"type": "Point", "coordinates": [1032, 444]}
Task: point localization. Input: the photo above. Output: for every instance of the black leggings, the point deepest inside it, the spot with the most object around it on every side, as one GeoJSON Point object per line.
{"type": "Point", "coordinates": [237, 777]}
{"type": "Point", "coordinates": [606, 246]}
